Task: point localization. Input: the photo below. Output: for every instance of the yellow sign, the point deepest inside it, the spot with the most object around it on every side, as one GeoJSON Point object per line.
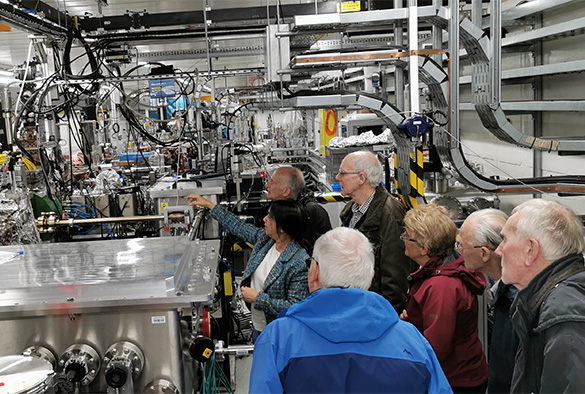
{"type": "Point", "coordinates": [227, 284]}
{"type": "Point", "coordinates": [327, 130]}
{"type": "Point", "coordinates": [163, 205]}
{"type": "Point", "coordinates": [207, 353]}
{"type": "Point", "coordinates": [350, 6]}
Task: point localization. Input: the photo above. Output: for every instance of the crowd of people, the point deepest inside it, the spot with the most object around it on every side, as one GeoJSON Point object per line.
{"type": "Point", "coordinates": [388, 301]}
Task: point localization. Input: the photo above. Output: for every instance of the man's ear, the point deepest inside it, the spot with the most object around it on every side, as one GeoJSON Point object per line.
{"type": "Point", "coordinates": [287, 192]}
{"type": "Point", "coordinates": [533, 251]}
{"type": "Point", "coordinates": [313, 277]}
{"type": "Point", "coordinates": [424, 250]}
{"type": "Point", "coordinates": [485, 254]}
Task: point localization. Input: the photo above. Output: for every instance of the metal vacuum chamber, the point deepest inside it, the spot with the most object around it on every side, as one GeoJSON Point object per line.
{"type": "Point", "coordinates": [97, 309]}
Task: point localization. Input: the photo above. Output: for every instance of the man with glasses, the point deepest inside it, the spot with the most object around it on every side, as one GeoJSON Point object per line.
{"type": "Point", "coordinates": [378, 215]}
{"type": "Point", "coordinates": [343, 338]}
{"type": "Point", "coordinates": [479, 237]}
{"type": "Point", "coordinates": [542, 255]}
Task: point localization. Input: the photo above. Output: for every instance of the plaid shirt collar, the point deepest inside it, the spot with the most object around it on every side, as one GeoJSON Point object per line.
{"type": "Point", "coordinates": [364, 207]}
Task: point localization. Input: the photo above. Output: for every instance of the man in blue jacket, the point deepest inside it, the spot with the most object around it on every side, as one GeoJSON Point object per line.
{"type": "Point", "coordinates": [344, 338]}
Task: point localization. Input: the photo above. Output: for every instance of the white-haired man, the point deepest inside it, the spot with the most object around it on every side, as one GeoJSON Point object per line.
{"type": "Point", "coordinates": [542, 255]}
{"type": "Point", "coordinates": [379, 216]}
{"type": "Point", "coordinates": [289, 182]}
{"type": "Point", "coordinates": [343, 338]}
{"type": "Point", "coordinates": [479, 237]}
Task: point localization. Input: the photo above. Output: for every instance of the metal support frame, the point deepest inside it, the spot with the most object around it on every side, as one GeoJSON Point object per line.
{"type": "Point", "coordinates": [495, 62]}
{"type": "Point", "coordinates": [437, 35]}
{"type": "Point", "coordinates": [399, 72]}
{"type": "Point", "coordinates": [538, 96]}
{"type": "Point", "coordinates": [413, 60]}
{"type": "Point", "coordinates": [453, 46]}
{"type": "Point", "coordinates": [32, 23]}
{"type": "Point", "coordinates": [486, 85]}
{"type": "Point", "coordinates": [219, 16]}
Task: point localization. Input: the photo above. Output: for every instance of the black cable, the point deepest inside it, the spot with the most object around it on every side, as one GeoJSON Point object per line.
{"type": "Point", "coordinates": [76, 34]}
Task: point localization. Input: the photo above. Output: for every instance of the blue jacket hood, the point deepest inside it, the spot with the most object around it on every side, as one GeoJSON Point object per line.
{"type": "Point", "coordinates": [348, 325]}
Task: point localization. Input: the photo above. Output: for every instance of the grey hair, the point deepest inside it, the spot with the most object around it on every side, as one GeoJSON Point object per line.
{"type": "Point", "coordinates": [345, 258]}
{"type": "Point", "coordinates": [558, 230]}
{"type": "Point", "coordinates": [294, 179]}
{"type": "Point", "coordinates": [366, 162]}
{"type": "Point", "coordinates": [487, 229]}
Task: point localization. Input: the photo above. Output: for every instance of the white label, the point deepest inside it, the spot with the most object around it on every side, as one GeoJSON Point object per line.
{"type": "Point", "coordinates": [158, 319]}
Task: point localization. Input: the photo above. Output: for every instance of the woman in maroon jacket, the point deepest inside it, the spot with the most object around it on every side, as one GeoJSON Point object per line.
{"type": "Point", "coordinates": [443, 298]}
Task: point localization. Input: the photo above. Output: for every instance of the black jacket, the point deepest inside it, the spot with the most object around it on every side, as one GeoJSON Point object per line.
{"type": "Point", "coordinates": [504, 341]}
{"type": "Point", "coordinates": [318, 222]}
{"type": "Point", "coordinates": [382, 225]}
{"type": "Point", "coordinates": [549, 317]}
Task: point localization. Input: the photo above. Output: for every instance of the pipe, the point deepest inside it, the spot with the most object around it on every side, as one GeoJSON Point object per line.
{"type": "Point", "coordinates": [72, 222]}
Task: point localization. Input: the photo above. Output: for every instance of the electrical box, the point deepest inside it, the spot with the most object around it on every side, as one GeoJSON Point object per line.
{"type": "Point", "coordinates": [128, 204]}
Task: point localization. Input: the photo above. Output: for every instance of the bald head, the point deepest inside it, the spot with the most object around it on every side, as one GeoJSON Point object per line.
{"type": "Point", "coordinates": [487, 226]}
{"type": "Point", "coordinates": [479, 237]}
{"type": "Point", "coordinates": [558, 230]}
{"type": "Point", "coordinates": [368, 163]}
{"type": "Point", "coordinates": [285, 182]}
{"type": "Point", "coordinates": [538, 233]}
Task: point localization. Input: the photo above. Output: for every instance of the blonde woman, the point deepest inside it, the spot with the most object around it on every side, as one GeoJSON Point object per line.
{"type": "Point", "coordinates": [443, 298]}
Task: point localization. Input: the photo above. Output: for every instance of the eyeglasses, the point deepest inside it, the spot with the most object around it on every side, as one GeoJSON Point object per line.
{"type": "Point", "coordinates": [309, 261]}
{"type": "Point", "coordinates": [459, 247]}
{"type": "Point", "coordinates": [343, 173]}
{"type": "Point", "coordinates": [405, 238]}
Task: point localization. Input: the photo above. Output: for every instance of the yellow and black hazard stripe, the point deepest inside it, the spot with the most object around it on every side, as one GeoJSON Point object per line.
{"type": "Point", "coordinates": [417, 185]}
{"type": "Point", "coordinates": [396, 185]}
{"type": "Point", "coordinates": [331, 197]}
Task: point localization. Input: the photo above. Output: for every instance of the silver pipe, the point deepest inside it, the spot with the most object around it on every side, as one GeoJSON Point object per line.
{"type": "Point", "coordinates": [437, 35]}
{"type": "Point", "coordinates": [399, 72]}
{"type": "Point", "coordinates": [413, 77]}
{"type": "Point", "coordinates": [196, 222]}
{"type": "Point", "coordinates": [24, 78]}
{"type": "Point", "coordinates": [476, 12]}
{"type": "Point", "coordinates": [496, 49]}
{"type": "Point", "coordinates": [206, 36]}
{"type": "Point", "coordinates": [279, 53]}
{"type": "Point", "coordinates": [72, 222]}
{"type": "Point", "coordinates": [538, 96]}
{"type": "Point", "coordinates": [237, 350]}
{"type": "Point", "coordinates": [239, 38]}
{"type": "Point", "coordinates": [209, 64]}
{"type": "Point", "coordinates": [7, 115]}
{"type": "Point", "coordinates": [454, 71]}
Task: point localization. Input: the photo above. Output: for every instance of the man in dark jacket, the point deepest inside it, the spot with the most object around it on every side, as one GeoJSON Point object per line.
{"type": "Point", "coordinates": [288, 182]}
{"type": "Point", "coordinates": [343, 338]}
{"type": "Point", "coordinates": [479, 237]}
{"type": "Point", "coordinates": [542, 255]}
{"type": "Point", "coordinates": [379, 216]}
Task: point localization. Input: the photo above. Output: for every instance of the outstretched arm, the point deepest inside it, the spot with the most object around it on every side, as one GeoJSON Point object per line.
{"type": "Point", "coordinates": [196, 200]}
